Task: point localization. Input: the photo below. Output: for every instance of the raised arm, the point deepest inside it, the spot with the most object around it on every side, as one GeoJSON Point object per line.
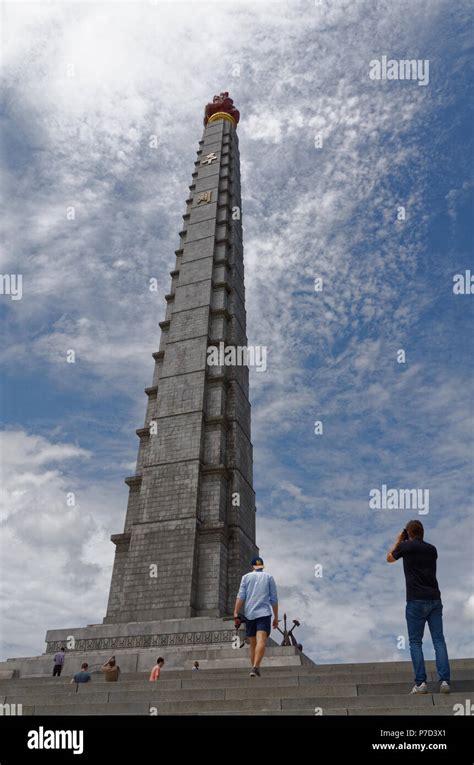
{"type": "Point", "coordinates": [390, 558]}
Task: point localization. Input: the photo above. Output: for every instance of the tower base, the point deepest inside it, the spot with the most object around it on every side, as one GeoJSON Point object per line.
{"type": "Point", "coordinates": [136, 646]}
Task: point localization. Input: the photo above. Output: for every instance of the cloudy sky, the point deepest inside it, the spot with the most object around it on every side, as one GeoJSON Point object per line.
{"type": "Point", "coordinates": [85, 87]}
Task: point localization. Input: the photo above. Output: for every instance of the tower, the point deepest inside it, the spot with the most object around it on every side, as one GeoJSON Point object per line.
{"type": "Point", "coordinates": [190, 525]}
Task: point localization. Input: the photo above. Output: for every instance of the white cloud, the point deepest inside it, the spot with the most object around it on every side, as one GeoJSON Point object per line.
{"type": "Point", "coordinates": [263, 127]}
{"type": "Point", "coordinates": [56, 559]}
{"type": "Point", "coordinates": [469, 608]}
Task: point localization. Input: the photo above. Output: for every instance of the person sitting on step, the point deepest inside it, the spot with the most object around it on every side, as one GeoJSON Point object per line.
{"type": "Point", "coordinates": [156, 671]}
{"type": "Point", "coordinates": [83, 676]}
{"type": "Point", "coordinates": [111, 670]}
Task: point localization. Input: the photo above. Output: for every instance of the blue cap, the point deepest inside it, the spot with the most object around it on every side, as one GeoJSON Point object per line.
{"type": "Point", "coordinates": [257, 562]}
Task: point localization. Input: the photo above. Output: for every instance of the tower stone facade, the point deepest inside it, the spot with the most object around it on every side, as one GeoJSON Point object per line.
{"type": "Point", "coordinates": [189, 530]}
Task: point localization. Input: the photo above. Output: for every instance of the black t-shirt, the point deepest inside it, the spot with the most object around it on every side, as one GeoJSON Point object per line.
{"type": "Point", "coordinates": [419, 565]}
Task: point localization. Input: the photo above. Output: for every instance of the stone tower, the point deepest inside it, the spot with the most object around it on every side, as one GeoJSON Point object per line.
{"type": "Point", "coordinates": [190, 525]}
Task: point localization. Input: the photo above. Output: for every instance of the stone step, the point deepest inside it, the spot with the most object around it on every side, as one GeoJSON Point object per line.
{"type": "Point", "coordinates": [7, 674]}
{"type": "Point", "coordinates": [93, 686]}
{"type": "Point", "coordinates": [340, 691]}
{"type": "Point", "coordinates": [229, 653]}
{"type": "Point", "coordinates": [335, 670]}
{"type": "Point", "coordinates": [383, 666]}
{"type": "Point", "coordinates": [368, 712]}
{"type": "Point", "coordinates": [313, 678]}
{"type": "Point", "coordinates": [435, 711]}
{"type": "Point", "coordinates": [387, 689]}
{"type": "Point", "coordinates": [137, 709]}
{"type": "Point", "coordinates": [243, 661]}
{"type": "Point", "coordinates": [394, 705]}
{"type": "Point", "coordinates": [64, 698]}
{"type": "Point", "coordinates": [208, 680]}
{"type": "Point", "coordinates": [445, 700]}
{"type": "Point", "coordinates": [96, 709]}
{"type": "Point", "coordinates": [193, 694]}
{"type": "Point", "coordinates": [155, 694]}
{"type": "Point", "coordinates": [277, 712]}
{"type": "Point", "coordinates": [201, 681]}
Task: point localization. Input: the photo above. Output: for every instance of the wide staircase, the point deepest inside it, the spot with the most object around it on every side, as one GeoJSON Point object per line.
{"type": "Point", "coordinates": [223, 687]}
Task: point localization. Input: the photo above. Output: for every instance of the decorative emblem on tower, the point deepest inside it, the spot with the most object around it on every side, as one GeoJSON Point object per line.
{"type": "Point", "coordinates": [221, 108]}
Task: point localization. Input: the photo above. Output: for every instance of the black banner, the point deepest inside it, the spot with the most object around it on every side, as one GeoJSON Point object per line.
{"type": "Point", "coordinates": [98, 739]}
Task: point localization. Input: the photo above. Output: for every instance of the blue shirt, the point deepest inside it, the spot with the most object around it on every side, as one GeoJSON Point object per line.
{"type": "Point", "coordinates": [82, 677]}
{"type": "Point", "coordinates": [259, 591]}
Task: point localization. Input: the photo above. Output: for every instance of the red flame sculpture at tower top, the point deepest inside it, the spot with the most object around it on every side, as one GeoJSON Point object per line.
{"type": "Point", "coordinates": [222, 107]}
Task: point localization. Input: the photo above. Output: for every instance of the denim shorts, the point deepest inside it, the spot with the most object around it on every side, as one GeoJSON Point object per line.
{"type": "Point", "coordinates": [260, 623]}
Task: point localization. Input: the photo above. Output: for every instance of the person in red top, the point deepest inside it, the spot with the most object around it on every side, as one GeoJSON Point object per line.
{"type": "Point", "coordinates": [156, 671]}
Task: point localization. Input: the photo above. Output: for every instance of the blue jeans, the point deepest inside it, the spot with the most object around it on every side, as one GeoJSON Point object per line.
{"type": "Point", "coordinates": [417, 613]}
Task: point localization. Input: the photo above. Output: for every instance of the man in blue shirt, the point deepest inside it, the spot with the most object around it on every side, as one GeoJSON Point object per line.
{"type": "Point", "coordinates": [83, 676]}
{"type": "Point", "coordinates": [259, 594]}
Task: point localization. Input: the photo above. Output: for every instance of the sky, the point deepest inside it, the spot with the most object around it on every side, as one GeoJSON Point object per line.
{"type": "Point", "coordinates": [329, 156]}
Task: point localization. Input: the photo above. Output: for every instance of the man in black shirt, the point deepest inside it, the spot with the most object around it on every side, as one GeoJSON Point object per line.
{"type": "Point", "coordinates": [423, 602]}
